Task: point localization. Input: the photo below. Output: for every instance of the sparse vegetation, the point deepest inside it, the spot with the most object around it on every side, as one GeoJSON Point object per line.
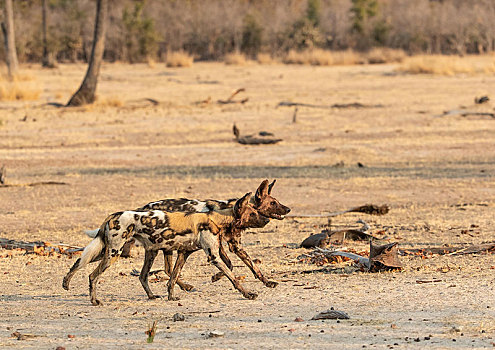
{"type": "Point", "coordinates": [448, 65]}
{"type": "Point", "coordinates": [236, 58]}
{"type": "Point", "coordinates": [12, 91]}
{"type": "Point", "coordinates": [385, 55]}
{"type": "Point", "coordinates": [319, 57]}
{"type": "Point", "coordinates": [179, 59]}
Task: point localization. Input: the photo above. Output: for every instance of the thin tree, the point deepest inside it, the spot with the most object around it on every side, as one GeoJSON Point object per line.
{"type": "Point", "coordinates": [47, 59]}
{"type": "Point", "coordinates": [9, 37]}
{"type": "Point", "coordinates": [86, 92]}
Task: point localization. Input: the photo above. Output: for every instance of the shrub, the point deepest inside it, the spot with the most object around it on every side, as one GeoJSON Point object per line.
{"type": "Point", "coordinates": [179, 59]}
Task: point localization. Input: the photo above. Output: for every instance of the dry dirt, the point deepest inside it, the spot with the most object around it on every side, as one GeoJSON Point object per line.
{"type": "Point", "coordinates": [436, 173]}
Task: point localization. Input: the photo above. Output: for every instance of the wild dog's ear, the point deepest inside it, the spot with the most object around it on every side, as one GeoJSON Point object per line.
{"type": "Point", "coordinates": [240, 204]}
{"type": "Point", "coordinates": [270, 186]}
{"type": "Point", "coordinates": [261, 192]}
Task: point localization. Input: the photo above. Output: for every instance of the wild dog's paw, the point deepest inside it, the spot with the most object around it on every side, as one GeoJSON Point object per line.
{"type": "Point", "coordinates": [153, 297]}
{"type": "Point", "coordinates": [271, 284]}
{"type": "Point", "coordinates": [250, 295]}
{"type": "Point", "coordinates": [217, 276]}
{"type": "Point", "coordinates": [187, 287]}
{"type": "Point", "coordinates": [173, 298]}
{"type": "Point", "coordinates": [96, 302]}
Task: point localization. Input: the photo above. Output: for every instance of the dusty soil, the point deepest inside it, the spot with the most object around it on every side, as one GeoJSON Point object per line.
{"type": "Point", "coordinates": [436, 173]}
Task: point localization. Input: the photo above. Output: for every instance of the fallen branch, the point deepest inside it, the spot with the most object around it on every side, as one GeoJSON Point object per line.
{"type": "Point", "coordinates": [231, 98]}
{"type": "Point", "coordinates": [370, 209]}
{"type": "Point", "coordinates": [473, 249]}
{"type": "Point", "coordinates": [336, 105]}
{"type": "Point", "coordinates": [39, 247]}
{"type": "Point", "coordinates": [466, 113]}
{"type": "Point", "coordinates": [254, 140]}
{"type": "Point", "coordinates": [34, 184]}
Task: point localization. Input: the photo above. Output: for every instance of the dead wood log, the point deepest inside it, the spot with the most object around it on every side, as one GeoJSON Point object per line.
{"type": "Point", "coordinates": [336, 105]}
{"type": "Point", "coordinates": [39, 247]}
{"type": "Point", "coordinates": [254, 140]}
{"type": "Point", "coordinates": [331, 315]}
{"type": "Point", "coordinates": [230, 99]}
{"type": "Point", "coordinates": [34, 184]}
{"type": "Point", "coordinates": [472, 249]}
{"type": "Point", "coordinates": [370, 209]}
{"type": "Point", "coordinates": [467, 113]}
{"type": "Point", "coordinates": [482, 99]}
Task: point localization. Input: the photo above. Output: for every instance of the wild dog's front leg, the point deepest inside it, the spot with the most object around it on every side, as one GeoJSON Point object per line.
{"type": "Point", "coordinates": [237, 249]}
{"type": "Point", "coordinates": [174, 276]}
{"type": "Point", "coordinates": [209, 243]}
{"type": "Point", "coordinates": [167, 258]}
{"type": "Point", "coordinates": [149, 257]}
{"type": "Point", "coordinates": [225, 259]}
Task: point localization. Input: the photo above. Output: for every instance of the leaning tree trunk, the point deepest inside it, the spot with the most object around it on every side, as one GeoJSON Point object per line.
{"type": "Point", "coordinates": [47, 60]}
{"type": "Point", "coordinates": [86, 93]}
{"type": "Point", "coordinates": [9, 37]}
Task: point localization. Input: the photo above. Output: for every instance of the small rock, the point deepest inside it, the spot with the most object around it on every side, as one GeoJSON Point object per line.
{"type": "Point", "coordinates": [215, 334]}
{"type": "Point", "coordinates": [393, 326]}
{"type": "Point", "coordinates": [298, 319]}
{"type": "Point", "coordinates": [178, 317]}
{"type": "Point", "coordinates": [71, 336]}
{"type": "Point", "coordinates": [60, 348]}
{"type": "Point", "coordinates": [331, 315]}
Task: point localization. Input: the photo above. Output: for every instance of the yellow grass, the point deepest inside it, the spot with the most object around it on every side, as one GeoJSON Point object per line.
{"type": "Point", "coordinates": [319, 57]}
{"type": "Point", "coordinates": [385, 55]}
{"type": "Point", "coordinates": [236, 58]}
{"type": "Point", "coordinates": [265, 58]}
{"type": "Point", "coordinates": [12, 91]}
{"type": "Point", "coordinates": [179, 59]}
{"type": "Point", "coordinates": [448, 65]}
{"type": "Point", "coordinates": [109, 101]}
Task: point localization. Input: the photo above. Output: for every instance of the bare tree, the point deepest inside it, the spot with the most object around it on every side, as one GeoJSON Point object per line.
{"type": "Point", "coordinates": [47, 59]}
{"type": "Point", "coordinates": [9, 37]}
{"type": "Point", "coordinates": [86, 92]}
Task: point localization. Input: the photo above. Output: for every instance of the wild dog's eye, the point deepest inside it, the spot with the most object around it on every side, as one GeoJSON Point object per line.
{"type": "Point", "coordinates": [273, 203]}
{"type": "Point", "coordinates": [252, 215]}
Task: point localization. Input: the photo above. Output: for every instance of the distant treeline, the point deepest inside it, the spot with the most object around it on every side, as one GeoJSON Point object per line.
{"type": "Point", "coordinates": [209, 29]}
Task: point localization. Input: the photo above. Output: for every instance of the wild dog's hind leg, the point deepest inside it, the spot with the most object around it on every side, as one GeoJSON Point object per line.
{"type": "Point", "coordinates": [167, 258]}
{"type": "Point", "coordinates": [149, 257]}
{"type": "Point", "coordinates": [105, 262]}
{"type": "Point", "coordinates": [91, 253]}
{"type": "Point", "coordinates": [174, 276]}
{"type": "Point", "coordinates": [209, 243]}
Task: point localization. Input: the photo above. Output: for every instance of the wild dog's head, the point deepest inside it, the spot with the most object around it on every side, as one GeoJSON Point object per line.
{"type": "Point", "coordinates": [246, 215]}
{"type": "Point", "coordinates": [266, 204]}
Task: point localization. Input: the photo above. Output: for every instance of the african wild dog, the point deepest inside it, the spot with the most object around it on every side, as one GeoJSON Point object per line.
{"type": "Point", "coordinates": [156, 230]}
{"type": "Point", "coordinates": [263, 202]}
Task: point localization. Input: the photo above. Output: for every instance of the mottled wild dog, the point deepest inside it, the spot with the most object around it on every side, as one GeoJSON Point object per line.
{"type": "Point", "coordinates": [262, 201]}
{"type": "Point", "coordinates": [169, 231]}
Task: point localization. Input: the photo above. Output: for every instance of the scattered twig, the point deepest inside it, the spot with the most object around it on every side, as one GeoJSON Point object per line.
{"type": "Point", "coordinates": [294, 116]}
{"type": "Point", "coordinates": [3, 174]}
{"type": "Point", "coordinates": [336, 105]}
{"type": "Point", "coordinates": [427, 281]}
{"type": "Point", "coordinates": [231, 97]}
{"type": "Point", "coordinates": [472, 249]}
{"type": "Point", "coordinates": [482, 99]}
{"type": "Point", "coordinates": [34, 184]}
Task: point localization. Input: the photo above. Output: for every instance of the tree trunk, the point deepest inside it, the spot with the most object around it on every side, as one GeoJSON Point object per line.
{"type": "Point", "coordinates": [47, 60]}
{"type": "Point", "coordinates": [86, 93]}
{"type": "Point", "coordinates": [9, 36]}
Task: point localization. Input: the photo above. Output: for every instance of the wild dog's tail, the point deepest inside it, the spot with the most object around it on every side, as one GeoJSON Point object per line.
{"type": "Point", "coordinates": [92, 233]}
{"type": "Point", "coordinates": [93, 252]}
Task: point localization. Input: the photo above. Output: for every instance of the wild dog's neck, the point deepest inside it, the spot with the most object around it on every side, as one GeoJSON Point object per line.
{"type": "Point", "coordinates": [221, 221]}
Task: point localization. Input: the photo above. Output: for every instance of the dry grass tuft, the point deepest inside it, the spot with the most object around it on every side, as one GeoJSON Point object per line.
{"type": "Point", "coordinates": [319, 57]}
{"type": "Point", "coordinates": [109, 102]}
{"type": "Point", "coordinates": [179, 59]}
{"type": "Point", "coordinates": [448, 65]}
{"type": "Point", "coordinates": [236, 58]}
{"type": "Point", "coordinates": [385, 55]}
{"type": "Point", "coordinates": [13, 91]}
{"type": "Point", "coordinates": [265, 58]}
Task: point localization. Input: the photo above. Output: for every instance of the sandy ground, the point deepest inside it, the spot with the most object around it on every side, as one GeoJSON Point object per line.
{"type": "Point", "coordinates": [436, 173]}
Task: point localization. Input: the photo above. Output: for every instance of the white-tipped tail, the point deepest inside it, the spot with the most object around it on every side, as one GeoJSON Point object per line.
{"type": "Point", "coordinates": [91, 233]}
{"type": "Point", "coordinates": [92, 250]}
